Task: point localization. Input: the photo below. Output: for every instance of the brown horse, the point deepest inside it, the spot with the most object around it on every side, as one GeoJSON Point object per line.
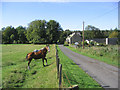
{"type": "Point", "coordinates": [37, 54]}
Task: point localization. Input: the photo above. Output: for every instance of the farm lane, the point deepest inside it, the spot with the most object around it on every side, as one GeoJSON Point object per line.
{"type": "Point", "coordinates": [106, 75]}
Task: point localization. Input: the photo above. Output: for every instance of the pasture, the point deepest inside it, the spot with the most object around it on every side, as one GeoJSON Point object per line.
{"type": "Point", "coordinates": [75, 74]}
{"type": "Point", "coordinates": [14, 68]}
{"type": "Point", "coordinates": [107, 54]}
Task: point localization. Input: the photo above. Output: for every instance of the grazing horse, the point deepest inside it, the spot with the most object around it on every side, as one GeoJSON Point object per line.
{"type": "Point", "coordinates": [37, 54]}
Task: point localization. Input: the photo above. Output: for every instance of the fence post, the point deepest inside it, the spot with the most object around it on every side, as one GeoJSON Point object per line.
{"type": "Point", "coordinates": [60, 76]}
{"type": "Point", "coordinates": [107, 41]}
{"type": "Point", "coordinates": [58, 67]}
{"type": "Point", "coordinates": [57, 63]}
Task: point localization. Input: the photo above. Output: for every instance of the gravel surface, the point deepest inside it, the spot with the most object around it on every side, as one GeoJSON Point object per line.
{"type": "Point", "coordinates": [106, 75]}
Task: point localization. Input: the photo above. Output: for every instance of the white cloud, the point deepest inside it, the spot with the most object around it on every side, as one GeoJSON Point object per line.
{"type": "Point", "coordinates": [60, 0]}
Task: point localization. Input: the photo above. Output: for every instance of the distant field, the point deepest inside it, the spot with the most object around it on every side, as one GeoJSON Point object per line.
{"type": "Point", "coordinates": [108, 54]}
{"type": "Point", "coordinates": [14, 68]}
{"type": "Point", "coordinates": [75, 74]}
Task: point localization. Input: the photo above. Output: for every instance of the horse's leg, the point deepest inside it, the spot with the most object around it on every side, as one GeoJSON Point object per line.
{"type": "Point", "coordinates": [46, 61]}
{"type": "Point", "coordinates": [43, 62]}
{"type": "Point", "coordinates": [29, 64]}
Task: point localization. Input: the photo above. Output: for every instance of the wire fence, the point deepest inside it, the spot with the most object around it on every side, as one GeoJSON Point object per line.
{"type": "Point", "coordinates": [60, 74]}
{"type": "Point", "coordinates": [59, 69]}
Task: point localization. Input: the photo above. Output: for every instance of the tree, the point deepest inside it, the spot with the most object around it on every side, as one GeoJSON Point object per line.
{"type": "Point", "coordinates": [114, 34]}
{"type": "Point", "coordinates": [93, 32]}
{"type": "Point", "coordinates": [53, 31]}
{"type": "Point", "coordinates": [64, 35]}
{"type": "Point", "coordinates": [12, 37]}
{"type": "Point", "coordinates": [21, 34]}
{"type": "Point", "coordinates": [36, 32]}
{"type": "Point", "coordinates": [6, 34]}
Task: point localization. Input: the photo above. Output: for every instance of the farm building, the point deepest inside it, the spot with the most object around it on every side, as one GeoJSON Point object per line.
{"type": "Point", "coordinates": [74, 37]}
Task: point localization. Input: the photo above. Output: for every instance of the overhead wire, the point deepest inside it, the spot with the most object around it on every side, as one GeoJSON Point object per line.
{"type": "Point", "coordinates": [97, 17]}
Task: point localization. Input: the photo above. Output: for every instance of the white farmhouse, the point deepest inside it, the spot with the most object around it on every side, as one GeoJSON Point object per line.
{"type": "Point", "coordinates": [74, 37]}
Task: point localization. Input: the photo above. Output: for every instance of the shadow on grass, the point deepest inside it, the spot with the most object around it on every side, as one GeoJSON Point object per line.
{"type": "Point", "coordinates": [49, 58]}
{"type": "Point", "coordinates": [75, 64]}
{"type": "Point", "coordinates": [49, 64]}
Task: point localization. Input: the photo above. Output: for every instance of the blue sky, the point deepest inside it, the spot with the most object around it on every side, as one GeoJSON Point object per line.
{"type": "Point", "coordinates": [70, 15]}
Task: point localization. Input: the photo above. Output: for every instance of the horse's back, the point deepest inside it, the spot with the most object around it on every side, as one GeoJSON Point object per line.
{"type": "Point", "coordinates": [38, 55]}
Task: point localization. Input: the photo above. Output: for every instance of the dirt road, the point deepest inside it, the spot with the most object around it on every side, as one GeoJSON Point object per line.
{"type": "Point", "coordinates": [106, 75]}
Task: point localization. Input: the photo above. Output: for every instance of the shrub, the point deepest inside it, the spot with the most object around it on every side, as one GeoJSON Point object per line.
{"type": "Point", "coordinates": [66, 43]}
{"type": "Point", "coordinates": [14, 42]}
{"type": "Point", "coordinates": [101, 44]}
{"type": "Point", "coordinates": [85, 43]}
{"type": "Point", "coordinates": [92, 43]}
{"type": "Point", "coordinates": [18, 41]}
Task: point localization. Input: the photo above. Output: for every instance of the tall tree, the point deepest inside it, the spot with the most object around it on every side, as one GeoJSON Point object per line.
{"type": "Point", "coordinates": [9, 34]}
{"type": "Point", "coordinates": [21, 34]}
{"type": "Point", "coordinates": [93, 32]}
{"type": "Point", "coordinates": [36, 31]}
{"type": "Point", "coordinates": [114, 33]}
{"type": "Point", "coordinates": [53, 31]}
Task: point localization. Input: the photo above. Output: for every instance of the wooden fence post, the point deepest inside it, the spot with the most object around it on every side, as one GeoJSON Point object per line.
{"type": "Point", "coordinates": [57, 63]}
{"type": "Point", "coordinates": [58, 67]}
{"type": "Point", "coordinates": [60, 76]}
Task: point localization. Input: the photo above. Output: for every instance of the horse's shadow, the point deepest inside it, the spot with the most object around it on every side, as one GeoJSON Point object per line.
{"type": "Point", "coordinates": [49, 64]}
{"type": "Point", "coordinates": [49, 58]}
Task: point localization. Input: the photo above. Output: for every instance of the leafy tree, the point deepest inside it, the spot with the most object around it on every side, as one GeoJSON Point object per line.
{"type": "Point", "coordinates": [6, 34]}
{"type": "Point", "coordinates": [64, 35]}
{"type": "Point", "coordinates": [93, 32]}
{"type": "Point", "coordinates": [12, 37]}
{"type": "Point", "coordinates": [114, 34]}
{"type": "Point", "coordinates": [21, 34]}
{"type": "Point", "coordinates": [36, 31]}
{"type": "Point", "coordinates": [53, 31]}
{"type": "Point", "coordinates": [67, 32]}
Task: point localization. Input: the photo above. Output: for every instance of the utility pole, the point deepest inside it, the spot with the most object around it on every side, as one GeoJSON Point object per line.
{"type": "Point", "coordinates": [83, 34]}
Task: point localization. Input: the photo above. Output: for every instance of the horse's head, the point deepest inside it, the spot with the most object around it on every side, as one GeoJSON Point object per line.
{"type": "Point", "coordinates": [48, 49]}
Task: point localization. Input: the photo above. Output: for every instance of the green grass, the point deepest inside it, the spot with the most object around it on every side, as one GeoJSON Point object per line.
{"type": "Point", "coordinates": [75, 74]}
{"type": "Point", "coordinates": [108, 54]}
{"type": "Point", "coordinates": [14, 68]}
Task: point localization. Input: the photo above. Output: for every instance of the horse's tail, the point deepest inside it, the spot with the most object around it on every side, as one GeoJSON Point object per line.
{"type": "Point", "coordinates": [30, 56]}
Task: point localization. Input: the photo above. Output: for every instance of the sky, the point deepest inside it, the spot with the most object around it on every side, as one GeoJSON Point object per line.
{"type": "Point", "coordinates": [70, 15]}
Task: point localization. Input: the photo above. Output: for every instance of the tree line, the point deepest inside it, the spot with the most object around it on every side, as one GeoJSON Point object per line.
{"type": "Point", "coordinates": [43, 32]}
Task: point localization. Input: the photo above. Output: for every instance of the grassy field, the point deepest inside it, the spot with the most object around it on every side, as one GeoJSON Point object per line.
{"type": "Point", "coordinates": [108, 54]}
{"type": "Point", "coordinates": [75, 74]}
{"type": "Point", "coordinates": [14, 68]}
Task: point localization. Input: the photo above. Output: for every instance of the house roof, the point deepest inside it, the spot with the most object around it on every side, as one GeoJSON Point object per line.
{"type": "Point", "coordinates": [73, 34]}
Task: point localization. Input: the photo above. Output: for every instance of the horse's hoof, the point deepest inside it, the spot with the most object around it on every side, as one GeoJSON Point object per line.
{"type": "Point", "coordinates": [28, 68]}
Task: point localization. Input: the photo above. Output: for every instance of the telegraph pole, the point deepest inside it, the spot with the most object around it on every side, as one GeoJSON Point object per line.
{"type": "Point", "coordinates": [83, 34]}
